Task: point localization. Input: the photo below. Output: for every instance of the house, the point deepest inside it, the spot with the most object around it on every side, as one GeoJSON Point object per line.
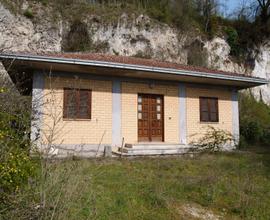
{"type": "Point", "coordinates": [85, 103]}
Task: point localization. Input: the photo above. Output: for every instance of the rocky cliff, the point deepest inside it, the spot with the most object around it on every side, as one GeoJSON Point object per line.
{"type": "Point", "coordinates": [131, 35]}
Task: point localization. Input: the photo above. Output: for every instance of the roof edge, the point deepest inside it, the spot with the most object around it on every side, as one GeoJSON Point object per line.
{"type": "Point", "coordinates": [39, 58]}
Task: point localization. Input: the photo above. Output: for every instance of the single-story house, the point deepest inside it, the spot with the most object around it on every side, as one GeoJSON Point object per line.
{"type": "Point", "coordinates": [85, 103]}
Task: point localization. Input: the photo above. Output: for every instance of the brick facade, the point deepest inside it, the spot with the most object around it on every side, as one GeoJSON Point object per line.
{"type": "Point", "coordinates": [195, 128]}
{"type": "Point", "coordinates": [78, 131]}
{"type": "Point", "coordinates": [129, 110]}
{"type": "Point", "coordinates": [99, 128]}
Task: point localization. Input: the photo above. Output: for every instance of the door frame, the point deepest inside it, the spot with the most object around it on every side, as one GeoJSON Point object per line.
{"type": "Point", "coordinates": [162, 117]}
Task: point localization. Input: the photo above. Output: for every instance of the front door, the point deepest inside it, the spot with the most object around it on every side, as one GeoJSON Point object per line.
{"type": "Point", "coordinates": [150, 118]}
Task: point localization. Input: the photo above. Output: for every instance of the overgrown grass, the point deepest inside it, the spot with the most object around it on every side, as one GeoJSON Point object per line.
{"type": "Point", "coordinates": [236, 185]}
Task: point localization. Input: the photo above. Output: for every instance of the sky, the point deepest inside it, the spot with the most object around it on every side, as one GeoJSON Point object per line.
{"type": "Point", "coordinates": [232, 4]}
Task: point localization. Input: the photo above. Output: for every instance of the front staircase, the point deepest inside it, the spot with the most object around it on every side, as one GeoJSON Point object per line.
{"type": "Point", "coordinates": [152, 149]}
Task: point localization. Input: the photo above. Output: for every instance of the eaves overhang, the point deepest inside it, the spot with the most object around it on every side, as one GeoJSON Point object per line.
{"type": "Point", "coordinates": [141, 71]}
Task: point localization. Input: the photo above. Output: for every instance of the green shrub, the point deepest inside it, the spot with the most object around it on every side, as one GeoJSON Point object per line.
{"type": "Point", "coordinates": [16, 166]}
{"type": "Point", "coordinates": [251, 130]}
{"type": "Point", "coordinates": [254, 120]}
{"type": "Point", "coordinates": [78, 38]}
{"type": "Point", "coordinates": [28, 13]}
{"type": "Point", "coordinates": [44, 2]}
{"type": "Point", "coordinates": [232, 39]}
{"type": "Point", "coordinates": [15, 170]}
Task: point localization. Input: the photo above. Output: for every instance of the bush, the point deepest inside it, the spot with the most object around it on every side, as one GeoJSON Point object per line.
{"type": "Point", "coordinates": [16, 166]}
{"type": "Point", "coordinates": [232, 39]}
{"type": "Point", "coordinates": [254, 121]}
{"type": "Point", "coordinates": [78, 38]}
{"type": "Point", "coordinates": [15, 170]}
{"type": "Point", "coordinates": [251, 130]}
{"type": "Point", "coordinates": [197, 56]}
{"type": "Point", "coordinates": [28, 13]}
{"type": "Point", "coordinates": [214, 140]}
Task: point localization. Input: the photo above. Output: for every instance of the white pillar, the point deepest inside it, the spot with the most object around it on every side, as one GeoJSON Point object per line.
{"type": "Point", "coordinates": [116, 113]}
{"type": "Point", "coordinates": [37, 106]}
{"type": "Point", "coordinates": [235, 116]}
{"type": "Point", "coordinates": [182, 114]}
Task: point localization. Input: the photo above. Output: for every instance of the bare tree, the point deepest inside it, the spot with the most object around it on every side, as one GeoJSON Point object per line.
{"type": "Point", "coordinates": [207, 8]}
{"type": "Point", "coordinates": [263, 9]}
{"type": "Point", "coordinates": [244, 11]}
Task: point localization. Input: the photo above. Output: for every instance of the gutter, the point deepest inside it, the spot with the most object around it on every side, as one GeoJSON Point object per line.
{"type": "Point", "coordinates": [260, 81]}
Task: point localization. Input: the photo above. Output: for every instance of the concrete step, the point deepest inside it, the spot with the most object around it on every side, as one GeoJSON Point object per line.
{"type": "Point", "coordinates": [155, 146]}
{"type": "Point", "coordinates": [128, 145]}
{"type": "Point", "coordinates": [149, 152]}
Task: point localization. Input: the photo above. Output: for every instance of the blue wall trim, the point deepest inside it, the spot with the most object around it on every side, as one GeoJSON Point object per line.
{"type": "Point", "coordinates": [235, 116]}
{"type": "Point", "coordinates": [116, 113]}
{"type": "Point", "coordinates": [182, 114]}
{"type": "Point", "coordinates": [37, 105]}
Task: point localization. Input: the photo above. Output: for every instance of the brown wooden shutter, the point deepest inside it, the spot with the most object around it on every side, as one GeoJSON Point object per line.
{"type": "Point", "coordinates": [90, 103]}
{"type": "Point", "coordinates": [204, 113]}
{"type": "Point", "coordinates": [84, 104]}
{"type": "Point", "coordinates": [213, 110]}
{"type": "Point", "coordinates": [72, 103]}
{"type": "Point", "coordinates": [208, 109]}
{"type": "Point", "coordinates": [69, 103]}
{"type": "Point", "coordinates": [77, 104]}
{"type": "Point", "coordinates": [65, 103]}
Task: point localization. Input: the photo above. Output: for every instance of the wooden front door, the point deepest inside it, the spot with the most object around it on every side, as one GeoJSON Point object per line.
{"type": "Point", "coordinates": [150, 117]}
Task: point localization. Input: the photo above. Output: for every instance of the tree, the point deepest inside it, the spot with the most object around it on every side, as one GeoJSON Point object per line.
{"type": "Point", "coordinates": [263, 8]}
{"type": "Point", "coordinates": [244, 12]}
{"type": "Point", "coordinates": [207, 8]}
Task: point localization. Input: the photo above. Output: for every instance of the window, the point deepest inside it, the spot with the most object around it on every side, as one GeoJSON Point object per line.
{"type": "Point", "coordinates": [77, 103]}
{"type": "Point", "coordinates": [208, 109]}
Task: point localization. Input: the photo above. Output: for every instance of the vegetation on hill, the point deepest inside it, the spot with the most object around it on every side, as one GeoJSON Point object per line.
{"type": "Point", "coordinates": [200, 16]}
{"type": "Point", "coordinates": [254, 121]}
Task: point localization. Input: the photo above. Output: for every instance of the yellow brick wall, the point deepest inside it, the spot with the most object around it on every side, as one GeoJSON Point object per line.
{"type": "Point", "coordinates": [78, 131]}
{"type": "Point", "coordinates": [91, 131]}
{"type": "Point", "coordinates": [195, 128]}
{"type": "Point", "coordinates": [129, 110]}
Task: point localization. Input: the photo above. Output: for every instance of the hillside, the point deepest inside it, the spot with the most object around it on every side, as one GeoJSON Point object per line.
{"type": "Point", "coordinates": [41, 27]}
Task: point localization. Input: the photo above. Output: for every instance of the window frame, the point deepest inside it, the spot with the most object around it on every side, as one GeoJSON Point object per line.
{"type": "Point", "coordinates": [77, 98]}
{"type": "Point", "coordinates": [209, 110]}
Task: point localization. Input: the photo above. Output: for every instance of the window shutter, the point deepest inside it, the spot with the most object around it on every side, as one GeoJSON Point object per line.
{"type": "Point", "coordinates": [77, 104]}
{"type": "Point", "coordinates": [204, 114]}
{"type": "Point", "coordinates": [84, 104]}
{"type": "Point", "coordinates": [65, 104]}
{"type": "Point", "coordinates": [69, 103]}
{"type": "Point", "coordinates": [208, 109]}
{"type": "Point", "coordinates": [213, 103]}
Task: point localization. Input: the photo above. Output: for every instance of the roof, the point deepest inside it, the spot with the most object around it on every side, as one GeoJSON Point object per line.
{"type": "Point", "coordinates": [138, 61]}
{"type": "Point", "coordinates": [138, 66]}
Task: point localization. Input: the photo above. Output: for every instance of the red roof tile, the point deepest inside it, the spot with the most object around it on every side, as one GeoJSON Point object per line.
{"type": "Point", "coordinates": [138, 61]}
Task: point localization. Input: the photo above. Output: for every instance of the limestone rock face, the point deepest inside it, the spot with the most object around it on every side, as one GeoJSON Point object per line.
{"type": "Point", "coordinates": [218, 56]}
{"type": "Point", "coordinates": [131, 36]}
{"type": "Point", "coordinates": [19, 34]}
{"type": "Point", "coordinates": [262, 69]}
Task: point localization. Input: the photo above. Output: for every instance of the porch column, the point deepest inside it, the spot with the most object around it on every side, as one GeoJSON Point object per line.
{"type": "Point", "coordinates": [182, 114]}
{"type": "Point", "coordinates": [116, 113]}
{"type": "Point", "coordinates": [37, 106]}
{"type": "Point", "coordinates": [235, 116]}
